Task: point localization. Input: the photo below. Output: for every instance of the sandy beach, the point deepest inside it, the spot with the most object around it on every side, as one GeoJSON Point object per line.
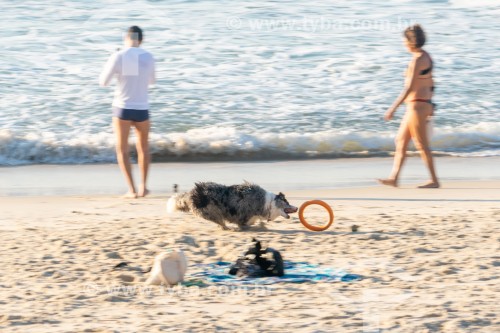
{"type": "Point", "coordinates": [428, 260]}
{"type": "Point", "coordinates": [298, 97]}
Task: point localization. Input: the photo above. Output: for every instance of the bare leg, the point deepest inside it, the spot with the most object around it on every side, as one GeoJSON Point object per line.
{"type": "Point", "coordinates": [122, 130]}
{"type": "Point", "coordinates": [418, 129]}
{"type": "Point", "coordinates": [143, 156]}
{"type": "Point", "coordinates": [402, 141]}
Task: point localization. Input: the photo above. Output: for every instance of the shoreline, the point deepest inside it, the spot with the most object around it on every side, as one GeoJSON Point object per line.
{"type": "Point", "coordinates": [275, 176]}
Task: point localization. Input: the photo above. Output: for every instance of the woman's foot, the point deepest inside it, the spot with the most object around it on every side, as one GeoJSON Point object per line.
{"type": "Point", "coordinates": [129, 195]}
{"type": "Point", "coordinates": [388, 182]}
{"type": "Point", "coordinates": [430, 184]}
{"type": "Point", "coordinates": [143, 193]}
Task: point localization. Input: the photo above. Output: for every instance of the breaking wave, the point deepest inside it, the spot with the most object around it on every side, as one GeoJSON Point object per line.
{"type": "Point", "coordinates": [231, 144]}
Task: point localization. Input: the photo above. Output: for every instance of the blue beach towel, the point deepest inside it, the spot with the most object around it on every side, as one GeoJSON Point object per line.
{"type": "Point", "coordinates": [295, 272]}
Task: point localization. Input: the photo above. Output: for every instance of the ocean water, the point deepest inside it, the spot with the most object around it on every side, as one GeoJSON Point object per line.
{"type": "Point", "coordinates": [245, 80]}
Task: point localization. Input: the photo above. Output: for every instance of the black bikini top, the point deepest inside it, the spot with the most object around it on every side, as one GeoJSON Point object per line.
{"type": "Point", "coordinates": [428, 70]}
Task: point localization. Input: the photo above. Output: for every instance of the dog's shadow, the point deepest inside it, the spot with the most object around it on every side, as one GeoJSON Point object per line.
{"type": "Point", "coordinates": [291, 232]}
{"type": "Point", "coordinates": [324, 233]}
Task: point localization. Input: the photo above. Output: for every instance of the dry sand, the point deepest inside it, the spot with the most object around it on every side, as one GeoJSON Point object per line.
{"type": "Point", "coordinates": [429, 261]}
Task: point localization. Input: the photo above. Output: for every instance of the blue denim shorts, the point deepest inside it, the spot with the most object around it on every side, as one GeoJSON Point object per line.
{"type": "Point", "coordinates": [131, 114]}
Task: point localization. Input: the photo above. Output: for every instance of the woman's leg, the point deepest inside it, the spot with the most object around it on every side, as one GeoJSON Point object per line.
{"type": "Point", "coordinates": [122, 130]}
{"type": "Point", "coordinates": [418, 128]}
{"type": "Point", "coordinates": [143, 156]}
{"type": "Point", "coordinates": [402, 140]}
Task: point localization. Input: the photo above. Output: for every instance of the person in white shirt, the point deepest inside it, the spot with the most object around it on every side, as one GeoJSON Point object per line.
{"type": "Point", "coordinates": [134, 69]}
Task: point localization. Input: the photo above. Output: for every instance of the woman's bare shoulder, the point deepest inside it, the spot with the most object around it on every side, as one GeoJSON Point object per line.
{"type": "Point", "coordinates": [423, 58]}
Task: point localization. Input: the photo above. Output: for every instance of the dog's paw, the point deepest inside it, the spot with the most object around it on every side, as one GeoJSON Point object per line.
{"type": "Point", "coordinates": [262, 226]}
{"type": "Point", "coordinates": [244, 227]}
{"type": "Point", "coordinates": [224, 227]}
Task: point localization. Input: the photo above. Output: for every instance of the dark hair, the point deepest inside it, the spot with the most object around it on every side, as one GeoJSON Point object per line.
{"type": "Point", "coordinates": [135, 33]}
{"type": "Point", "coordinates": [415, 36]}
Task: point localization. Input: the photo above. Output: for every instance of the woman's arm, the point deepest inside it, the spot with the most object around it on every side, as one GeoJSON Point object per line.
{"type": "Point", "coordinates": [411, 76]}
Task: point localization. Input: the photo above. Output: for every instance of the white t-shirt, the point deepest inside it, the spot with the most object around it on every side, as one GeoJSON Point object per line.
{"type": "Point", "coordinates": [134, 69]}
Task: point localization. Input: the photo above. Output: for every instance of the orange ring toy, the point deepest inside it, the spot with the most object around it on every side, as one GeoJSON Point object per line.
{"type": "Point", "coordinates": [312, 227]}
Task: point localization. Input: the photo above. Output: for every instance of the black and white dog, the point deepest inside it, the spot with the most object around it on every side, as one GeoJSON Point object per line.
{"type": "Point", "coordinates": [242, 204]}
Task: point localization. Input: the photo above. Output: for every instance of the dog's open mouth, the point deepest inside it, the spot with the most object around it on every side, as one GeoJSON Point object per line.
{"type": "Point", "coordinates": [290, 210]}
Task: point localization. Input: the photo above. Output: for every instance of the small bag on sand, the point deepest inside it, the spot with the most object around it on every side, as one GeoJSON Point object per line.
{"type": "Point", "coordinates": [168, 268]}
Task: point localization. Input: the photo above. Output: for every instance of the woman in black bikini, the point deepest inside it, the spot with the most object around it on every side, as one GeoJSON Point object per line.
{"type": "Point", "coordinates": [417, 93]}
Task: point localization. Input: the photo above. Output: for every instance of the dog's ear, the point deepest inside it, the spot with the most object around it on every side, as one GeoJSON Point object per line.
{"type": "Point", "coordinates": [282, 197]}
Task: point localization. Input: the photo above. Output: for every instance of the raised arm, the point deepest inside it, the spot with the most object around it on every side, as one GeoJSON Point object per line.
{"type": "Point", "coordinates": [411, 77]}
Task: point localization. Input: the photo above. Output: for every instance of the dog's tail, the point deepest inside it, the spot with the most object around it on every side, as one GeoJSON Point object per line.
{"type": "Point", "coordinates": [178, 203]}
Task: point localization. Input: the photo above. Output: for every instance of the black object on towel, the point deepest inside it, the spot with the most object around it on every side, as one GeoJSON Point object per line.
{"type": "Point", "coordinates": [258, 262]}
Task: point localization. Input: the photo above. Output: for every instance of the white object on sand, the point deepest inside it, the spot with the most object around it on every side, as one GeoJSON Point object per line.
{"type": "Point", "coordinates": [168, 268]}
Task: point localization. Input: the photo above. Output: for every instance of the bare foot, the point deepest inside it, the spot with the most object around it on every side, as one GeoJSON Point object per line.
{"type": "Point", "coordinates": [388, 182]}
{"type": "Point", "coordinates": [430, 185]}
{"type": "Point", "coordinates": [129, 195]}
{"type": "Point", "coordinates": [144, 192]}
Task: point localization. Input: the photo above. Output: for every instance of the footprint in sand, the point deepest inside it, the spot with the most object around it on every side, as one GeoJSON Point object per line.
{"type": "Point", "coordinates": [116, 299]}
{"type": "Point", "coordinates": [113, 255]}
{"type": "Point", "coordinates": [126, 278]}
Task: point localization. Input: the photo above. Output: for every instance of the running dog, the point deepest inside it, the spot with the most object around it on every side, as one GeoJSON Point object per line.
{"type": "Point", "coordinates": [242, 204]}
